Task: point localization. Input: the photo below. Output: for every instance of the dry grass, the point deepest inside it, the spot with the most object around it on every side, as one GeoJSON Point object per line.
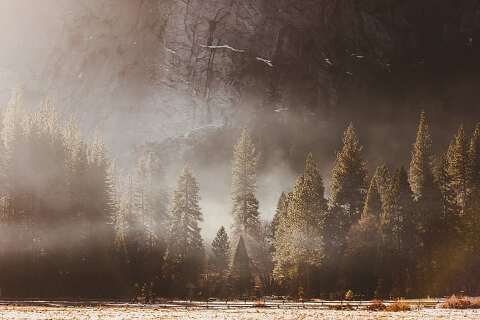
{"type": "Point", "coordinates": [455, 302]}
{"type": "Point", "coordinates": [376, 305]}
{"type": "Point", "coordinates": [398, 306]}
{"type": "Point", "coordinates": [475, 302]}
{"type": "Point", "coordinates": [260, 304]}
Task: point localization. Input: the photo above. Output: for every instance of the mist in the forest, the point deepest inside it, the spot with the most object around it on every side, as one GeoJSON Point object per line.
{"type": "Point", "coordinates": [338, 143]}
{"type": "Point", "coordinates": [133, 71]}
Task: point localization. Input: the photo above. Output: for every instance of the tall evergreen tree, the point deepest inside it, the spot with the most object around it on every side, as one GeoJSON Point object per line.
{"type": "Point", "coordinates": [13, 136]}
{"type": "Point", "coordinates": [77, 168]}
{"type": "Point", "coordinates": [221, 252]}
{"type": "Point", "coordinates": [298, 240]}
{"type": "Point", "coordinates": [219, 263]}
{"type": "Point", "coordinates": [362, 245]}
{"type": "Point", "coordinates": [385, 250]}
{"type": "Point", "coordinates": [404, 237]}
{"type": "Point", "coordinates": [144, 215]}
{"type": "Point", "coordinates": [245, 204]}
{"type": "Point", "coordinates": [450, 205]}
{"type": "Point", "coordinates": [101, 216]}
{"type": "Point", "coordinates": [458, 167]}
{"type": "Point", "coordinates": [348, 185]}
{"type": "Point", "coordinates": [384, 187]}
{"type": "Point", "coordinates": [241, 277]}
{"type": "Point", "coordinates": [420, 174]}
{"type": "Point", "coordinates": [425, 189]}
{"type": "Point", "coordinates": [347, 195]}
{"type": "Point", "coordinates": [185, 251]}
{"type": "Point", "coordinates": [428, 196]}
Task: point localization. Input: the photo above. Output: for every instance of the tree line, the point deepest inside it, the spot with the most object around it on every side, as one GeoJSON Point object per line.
{"type": "Point", "coordinates": [73, 227]}
{"type": "Point", "coordinates": [403, 233]}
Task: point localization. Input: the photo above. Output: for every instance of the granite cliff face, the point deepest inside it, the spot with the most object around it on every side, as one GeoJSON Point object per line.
{"type": "Point", "coordinates": [295, 65]}
{"type": "Point", "coordinates": [156, 69]}
{"type": "Point", "coordinates": [322, 51]}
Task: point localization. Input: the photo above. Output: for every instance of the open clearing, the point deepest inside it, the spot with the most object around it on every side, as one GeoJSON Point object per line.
{"type": "Point", "coordinates": [132, 312]}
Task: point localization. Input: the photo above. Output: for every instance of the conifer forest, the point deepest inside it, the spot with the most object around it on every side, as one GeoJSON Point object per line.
{"type": "Point", "coordinates": [72, 228]}
{"type": "Point", "coordinates": [153, 150]}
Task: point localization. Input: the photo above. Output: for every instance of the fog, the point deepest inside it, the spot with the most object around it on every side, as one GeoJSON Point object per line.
{"type": "Point", "coordinates": [125, 68]}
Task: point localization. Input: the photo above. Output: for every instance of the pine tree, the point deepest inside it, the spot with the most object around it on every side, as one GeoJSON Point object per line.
{"type": "Point", "coordinates": [450, 205]}
{"type": "Point", "coordinates": [13, 138]}
{"type": "Point", "coordinates": [420, 174]}
{"type": "Point", "coordinates": [428, 197]}
{"type": "Point", "coordinates": [425, 188]}
{"type": "Point", "coordinates": [150, 202]}
{"type": "Point", "coordinates": [280, 212]}
{"type": "Point", "coordinates": [384, 187]}
{"type": "Point", "coordinates": [101, 186]}
{"type": "Point", "coordinates": [404, 237]}
{"type": "Point", "coordinates": [385, 254]}
{"type": "Point", "coordinates": [221, 252]}
{"type": "Point", "coordinates": [185, 246]}
{"type": "Point", "coordinates": [245, 205]}
{"type": "Point", "coordinates": [77, 169]}
{"type": "Point", "coordinates": [101, 215]}
{"type": "Point", "coordinates": [299, 238]}
{"type": "Point", "coordinates": [347, 195]}
{"type": "Point", "coordinates": [363, 242]}
{"type": "Point", "coordinates": [145, 217]}
{"type": "Point", "coordinates": [219, 263]}
{"type": "Point", "coordinates": [458, 168]}
{"type": "Point", "coordinates": [348, 185]}
{"type": "Point", "coordinates": [154, 218]}
{"type": "Point", "coordinates": [241, 278]}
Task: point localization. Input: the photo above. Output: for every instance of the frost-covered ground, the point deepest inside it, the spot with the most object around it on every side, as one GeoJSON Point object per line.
{"type": "Point", "coordinates": [22, 312]}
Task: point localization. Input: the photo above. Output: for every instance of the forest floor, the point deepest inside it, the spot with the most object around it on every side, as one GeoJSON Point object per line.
{"type": "Point", "coordinates": [152, 312]}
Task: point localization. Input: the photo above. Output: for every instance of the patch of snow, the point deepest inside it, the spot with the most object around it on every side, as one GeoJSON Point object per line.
{"type": "Point", "coordinates": [225, 46]}
{"type": "Point", "coordinates": [266, 61]}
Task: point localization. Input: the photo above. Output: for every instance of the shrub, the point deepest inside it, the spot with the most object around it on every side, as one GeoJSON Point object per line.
{"type": "Point", "coordinates": [260, 304]}
{"type": "Point", "coordinates": [349, 295]}
{"type": "Point", "coordinates": [398, 306]}
{"type": "Point", "coordinates": [461, 303]}
{"type": "Point", "coordinates": [376, 305]}
{"type": "Point", "coordinates": [475, 303]}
